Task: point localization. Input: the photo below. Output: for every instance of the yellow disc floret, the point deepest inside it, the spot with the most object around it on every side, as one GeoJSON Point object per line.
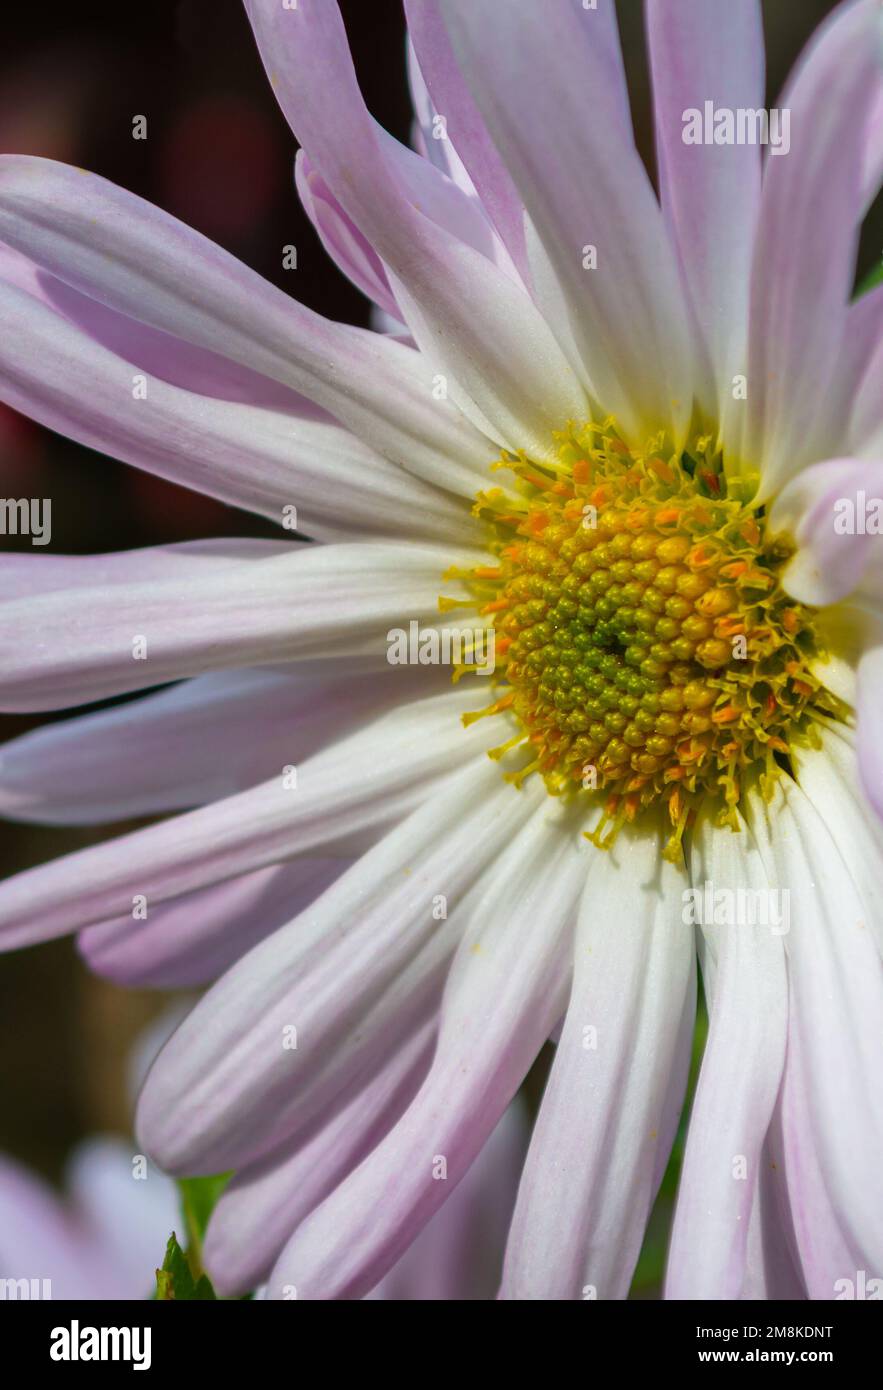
{"type": "Point", "coordinates": [643, 641]}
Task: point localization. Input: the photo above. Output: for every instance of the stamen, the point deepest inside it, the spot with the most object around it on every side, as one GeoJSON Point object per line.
{"type": "Point", "coordinates": [643, 641]}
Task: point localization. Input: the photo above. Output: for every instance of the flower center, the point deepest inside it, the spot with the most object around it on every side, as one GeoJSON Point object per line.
{"type": "Point", "coordinates": [643, 641]}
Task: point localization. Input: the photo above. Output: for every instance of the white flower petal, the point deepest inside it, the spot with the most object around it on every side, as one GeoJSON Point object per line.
{"type": "Point", "coordinates": [832, 1110]}
{"type": "Point", "coordinates": [373, 777]}
{"type": "Point", "coordinates": [134, 258]}
{"type": "Point", "coordinates": [63, 647]}
{"type": "Point", "coordinates": [225, 1091]}
{"type": "Point", "coordinates": [806, 245]}
{"type": "Point", "coordinates": [740, 1075]}
{"type": "Point", "coordinates": [551, 96]}
{"type": "Point", "coordinates": [595, 1161]}
{"type": "Point", "coordinates": [476, 325]}
{"type": "Point", "coordinates": [503, 995]}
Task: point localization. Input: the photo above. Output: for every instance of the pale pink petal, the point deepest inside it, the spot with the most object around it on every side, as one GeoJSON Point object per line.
{"type": "Point", "coordinates": [161, 355]}
{"type": "Point", "coordinates": [703, 49]}
{"type": "Point", "coordinates": [193, 939]}
{"type": "Point", "coordinates": [873, 169]}
{"type": "Point", "coordinates": [832, 1115]}
{"type": "Point", "coordinates": [351, 252]}
{"type": "Point", "coordinates": [740, 1076]}
{"type": "Point", "coordinates": [225, 1091]}
{"type": "Point", "coordinates": [465, 128]}
{"type": "Point", "coordinates": [429, 134]}
{"type": "Point", "coordinates": [267, 1201]}
{"type": "Point", "coordinates": [308, 475]}
{"type": "Point", "coordinates": [771, 1270]}
{"type": "Point", "coordinates": [69, 647]}
{"type": "Point", "coordinates": [474, 323]}
{"type": "Point", "coordinates": [458, 1256]}
{"type": "Point", "coordinates": [193, 743]}
{"type": "Point", "coordinates": [826, 509]}
{"type": "Point", "coordinates": [807, 236]}
{"type": "Point", "coordinates": [543, 78]}
{"type": "Point", "coordinates": [504, 993]}
{"type": "Point", "coordinates": [371, 778]}
{"type": "Point", "coordinates": [134, 258]}
{"type": "Point", "coordinates": [596, 1154]}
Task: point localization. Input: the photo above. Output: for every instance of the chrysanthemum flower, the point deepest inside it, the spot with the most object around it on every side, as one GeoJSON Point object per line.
{"type": "Point", "coordinates": [613, 435]}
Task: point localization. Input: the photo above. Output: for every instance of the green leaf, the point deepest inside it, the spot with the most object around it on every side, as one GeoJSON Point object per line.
{"type": "Point", "coordinates": [198, 1198]}
{"type": "Point", "coordinates": [872, 279]}
{"type": "Point", "coordinates": [175, 1281]}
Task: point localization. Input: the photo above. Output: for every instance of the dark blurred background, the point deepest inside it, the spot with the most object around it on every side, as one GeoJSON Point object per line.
{"type": "Point", "coordinates": [219, 156]}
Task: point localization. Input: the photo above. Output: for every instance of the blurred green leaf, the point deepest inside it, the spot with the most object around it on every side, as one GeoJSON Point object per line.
{"type": "Point", "coordinates": [198, 1198]}
{"type": "Point", "coordinates": [874, 278]}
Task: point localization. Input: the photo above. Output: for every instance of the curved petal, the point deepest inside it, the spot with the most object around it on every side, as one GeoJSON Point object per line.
{"type": "Point", "coordinates": [594, 1160]}
{"type": "Point", "coordinates": [710, 193]}
{"type": "Point", "coordinates": [225, 1091]}
{"type": "Point", "coordinates": [503, 996]}
{"type": "Point", "coordinates": [193, 743]}
{"type": "Point", "coordinates": [870, 702]}
{"type": "Point", "coordinates": [71, 647]}
{"type": "Point", "coordinates": [806, 246]}
{"type": "Point", "coordinates": [352, 253]}
{"type": "Point", "coordinates": [873, 167]}
{"type": "Point", "coordinates": [551, 98]}
{"type": "Point", "coordinates": [866, 420]}
{"type": "Point", "coordinates": [465, 128]}
{"type": "Point", "coordinates": [430, 135]}
{"type": "Point", "coordinates": [741, 1067]}
{"type": "Point", "coordinates": [458, 1256]}
{"type": "Point", "coordinates": [193, 939]}
{"type": "Point", "coordinates": [832, 1113]}
{"type": "Point", "coordinates": [136, 259]}
{"type": "Point", "coordinates": [472, 320]}
{"type": "Point", "coordinates": [268, 461]}
{"type": "Point", "coordinates": [830, 776]}
{"type": "Point", "coordinates": [372, 778]}
{"type": "Point", "coordinates": [161, 355]}
{"type": "Point", "coordinates": [265, 1202]}
{"type": "Point", "coordinates": [834, 512]}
